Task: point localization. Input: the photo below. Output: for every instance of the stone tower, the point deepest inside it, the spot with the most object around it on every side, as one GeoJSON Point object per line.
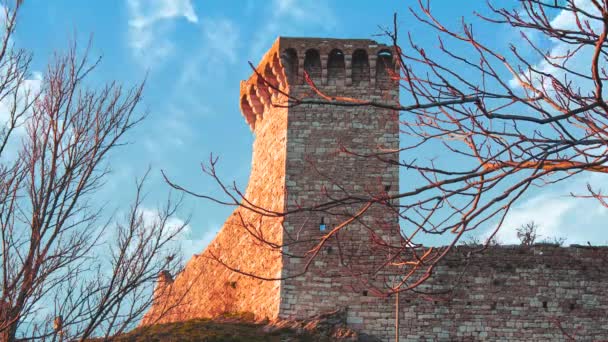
{"type": "Point", "coordinates": [333, 153]}
{"type": "Point", "coordinates": [305, 155]}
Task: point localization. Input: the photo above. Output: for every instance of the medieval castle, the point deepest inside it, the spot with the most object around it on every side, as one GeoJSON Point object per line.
{"type": "Point", "coordinates": [309, 154]}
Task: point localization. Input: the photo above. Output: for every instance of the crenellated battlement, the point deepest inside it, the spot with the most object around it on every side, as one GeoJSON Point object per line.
{"type": "Point", "coordinates": [330, 63]}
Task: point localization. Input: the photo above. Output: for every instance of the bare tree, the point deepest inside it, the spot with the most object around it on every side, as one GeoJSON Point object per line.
{"type": "Point", "coordinates": [527, 234]}
{"type": "Point", "coordinates": [55, 249]}
{"type": "Point", "coordinates": [512, 119]}
{"type": "Point", "coordinates": [118, 290]}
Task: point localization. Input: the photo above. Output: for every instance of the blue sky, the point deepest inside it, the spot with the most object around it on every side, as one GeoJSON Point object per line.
{"type": "Point", "coordinates": [194, 53]}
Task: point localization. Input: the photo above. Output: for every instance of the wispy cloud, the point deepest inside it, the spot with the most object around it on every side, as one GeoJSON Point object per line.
{"type": "Point", "coordinates": [313, 12]}
{"type": "Point", "coordinates": [289, 17]}
{"type": "Point", "coordinates": [190, 245]}
{"type": "Point", "coordinates": [148, 12]}
{"type": "Point", "coordinates": [217, 50]}
{"type": "Point", "coordinates": [151, 23]}
{"type": "Point", "coordinates": [27, 92]}
{"type": "Point", "coordinates": [188, 242]}
{"type": "Point", "coordinates": [202, 70]}
{"type": "Point", "coordinates": [548, 211]}
{"type": "Point", "coordinates": [177, 119]}
{"type": "Point", "coordinates": [580, 60]}
{"type": "Point", "coordinates": [153, 219]}
{"type": "Point", "coordinates": [558, 214]}
{"type": "Point", "coordinates": [174, 226]}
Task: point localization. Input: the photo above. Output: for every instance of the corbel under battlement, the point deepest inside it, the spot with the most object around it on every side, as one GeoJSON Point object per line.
{"type": "Point", "coordinates": [329, 62]}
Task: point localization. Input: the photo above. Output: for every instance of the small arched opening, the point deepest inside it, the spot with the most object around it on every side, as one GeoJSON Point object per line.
{"type": "Point", "coordinates": [312, 64]}
{"type": "Point", "coordinates": [384, 68]}
{"type": "Point", "coordinates": [289, 59]}
{"type": "Point", "coordinates": [360, 67]}
{"type": "Point", "coordinates": [335, 66]}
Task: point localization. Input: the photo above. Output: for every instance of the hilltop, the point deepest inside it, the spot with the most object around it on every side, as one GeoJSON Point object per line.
{"type": "Point", "coordinates": [240, 327]}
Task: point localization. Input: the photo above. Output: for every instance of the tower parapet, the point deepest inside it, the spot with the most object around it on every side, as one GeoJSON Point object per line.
{"type": "Point", "coordinates": [332, 64]}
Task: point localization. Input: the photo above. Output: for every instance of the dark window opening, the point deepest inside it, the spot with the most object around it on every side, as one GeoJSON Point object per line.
{"type": "Point", "coordinates": [335, 66]}
{"type": "Point", "coordinates": [384, 68]}
{"type": "Point", "coordinates": [360, 67]}
{"type": "Point", "coordinates": [289, 59]}
{"type": "Point", "coordinates": [312, 64]}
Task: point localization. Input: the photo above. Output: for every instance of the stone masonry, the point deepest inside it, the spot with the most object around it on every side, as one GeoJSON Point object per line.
{"type": "Point", "coordinates": [311, 154]}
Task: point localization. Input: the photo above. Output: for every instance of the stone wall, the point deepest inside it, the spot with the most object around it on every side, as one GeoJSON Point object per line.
{"type": "Point", "coordinates": [338, 153]}
{"type": "Point", "coordinates": [250, 239]}
{"type": "Point", "coordinates": [509, 293]}
{"type": "Point", "coordinates": [311, 154]}
{"type": "Point", "coordinates": [297, 162]}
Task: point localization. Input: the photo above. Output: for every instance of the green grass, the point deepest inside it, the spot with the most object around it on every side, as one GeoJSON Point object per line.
{"type": "Point", "coordinates": [214, 331]}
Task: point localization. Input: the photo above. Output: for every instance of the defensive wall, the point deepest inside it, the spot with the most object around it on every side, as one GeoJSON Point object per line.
{"type": "Point", "coordinates": [307, 154]}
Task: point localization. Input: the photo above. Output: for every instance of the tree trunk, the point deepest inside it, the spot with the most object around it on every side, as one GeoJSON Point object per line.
{"type": "Point", "coordinates": [8, 334]}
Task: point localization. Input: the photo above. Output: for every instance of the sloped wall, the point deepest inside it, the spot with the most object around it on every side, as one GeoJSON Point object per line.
{"type": "Point", "coordinates": [297, 160]}
{"type": "Point", "coordinates": [206, 287]}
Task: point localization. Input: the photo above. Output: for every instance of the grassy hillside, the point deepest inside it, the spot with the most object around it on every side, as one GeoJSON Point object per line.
{"type": "Point", "coordinates": [212, 331]}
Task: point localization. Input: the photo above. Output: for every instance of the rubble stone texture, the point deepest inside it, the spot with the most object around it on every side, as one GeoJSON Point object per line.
{"type": "Point", "coordinates": [300, 159]}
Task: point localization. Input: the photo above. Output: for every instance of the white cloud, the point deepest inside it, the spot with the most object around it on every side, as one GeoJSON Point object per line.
{"type": "Point", "coordinates": [29, 89]}
{"type": "Point", "coordinates": [547, 211]}
{"type": "Point", "coordinates": [148, 12]}
{"type": "Point", "coordinates": [150, 23]}
{"type": "Point", "coordinates": [314, 12]}
{"type": "Point", "coordinates": [289, 17]}
{"type": "Point", "coordinates": [191, 246]}
{"type": "Point", "coordinates": [151, 220]}
{"type": "Point", "coordinates": [559, 215]}
{"type": "Point", "coordinates": [567, 20]}
{"type": "Point", "coordinates": [34, 82]}
{"type": "Point", "coordinates": [220, 38]}
{"type": "Point", "coordinates": [217, 51]}
{"type": "Point", "coordinates": [202, 69]}
{"type": "Point", "coordinates": [187, 240]}
{"type": "Point", "coordinates": [556, 213]}
{"type": "Point", "coordinates": [580, 61]}
{"type": "Point", "coordinates": [182, 239]}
